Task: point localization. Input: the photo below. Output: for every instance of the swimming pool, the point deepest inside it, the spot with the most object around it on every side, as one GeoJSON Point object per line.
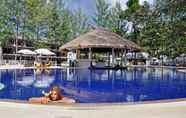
{"type": "Point", "coordinates": [95, 86]}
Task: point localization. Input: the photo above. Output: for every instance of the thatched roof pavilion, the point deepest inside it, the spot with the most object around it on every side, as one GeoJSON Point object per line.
{"type": "Point", "coordinates": [100, 38]}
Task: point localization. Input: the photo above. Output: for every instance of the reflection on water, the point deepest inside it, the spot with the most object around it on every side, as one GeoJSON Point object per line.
{"type": "Point", "coordinates": [26, 81]}
{"type": "Point", "coordinates": [84, 85]}
{"type": "Point", "coordinates": [2, 86]}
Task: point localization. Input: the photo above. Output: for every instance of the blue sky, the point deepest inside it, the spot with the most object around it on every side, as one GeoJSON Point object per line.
{"type": "Point", "coordinates": [88, 6]}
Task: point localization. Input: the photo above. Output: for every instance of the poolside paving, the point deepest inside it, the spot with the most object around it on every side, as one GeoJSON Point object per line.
{"type": "Point", "coordinates": [151, 110]}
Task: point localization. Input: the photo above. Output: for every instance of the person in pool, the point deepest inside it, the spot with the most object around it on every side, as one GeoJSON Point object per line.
{"type": "Point", "coordinates": [53, 96]}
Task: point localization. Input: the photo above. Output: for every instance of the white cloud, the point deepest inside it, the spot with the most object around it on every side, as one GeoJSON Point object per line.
{"type": "Point", "coordinates": [123, 2]}
{"type": "Point", "coordinates": [150, 1]}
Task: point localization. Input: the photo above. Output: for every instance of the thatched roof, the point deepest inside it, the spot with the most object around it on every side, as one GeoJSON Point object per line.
{"type": "Point", "coordinates": [100, 38]}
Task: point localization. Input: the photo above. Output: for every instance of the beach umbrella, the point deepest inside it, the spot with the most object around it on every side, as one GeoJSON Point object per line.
{"type": "Point", "coordinates": [26, 52]}
{"type": "Point", "coordinates": [44, 51]}
{"type": "Point", "coordinates": [182, 55]}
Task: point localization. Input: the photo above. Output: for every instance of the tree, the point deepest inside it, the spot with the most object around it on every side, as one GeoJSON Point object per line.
{"type": "Point", "coordinates": [64, 26]}
{"type": "Point", "coordinates": [80, 24]}
{"type": "Point", "coordinates": [116, 22]}
{"type": "Point", "coordinates": [136, 16]}
{"type": "Point", "coordinates": [102, 14]}
{"type": "Point", "coordinates": [37, 13]}
{"type": "Point", "coordinates": [8, 20]}
{"type": "Point", "coordinates": [54, 23]}
{"type": "Point", "coordinates": [165, 28]}
{"type": "Point", "coordinates": [110, 17]}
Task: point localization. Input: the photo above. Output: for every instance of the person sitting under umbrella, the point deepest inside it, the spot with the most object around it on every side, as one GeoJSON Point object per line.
{"type": "Point", "coordinates": [49, 63]}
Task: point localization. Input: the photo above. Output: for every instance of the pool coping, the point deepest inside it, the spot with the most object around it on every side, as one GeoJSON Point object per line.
{"type": "Point", "coordinates": [158, 110]}
{"type": "Point", "coordinates": [94, 106]}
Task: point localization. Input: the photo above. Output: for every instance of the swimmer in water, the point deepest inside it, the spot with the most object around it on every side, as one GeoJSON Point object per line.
{"type": "Point", "coordinates": [53, 96]}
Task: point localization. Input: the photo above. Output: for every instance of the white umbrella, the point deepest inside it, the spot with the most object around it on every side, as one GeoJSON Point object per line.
{"type": "Point", "coordinates": [182, 55]}
{"type": "Point", "coordinates": [44, 51]}
{"type": "Point", "coordinates": [26, 51]}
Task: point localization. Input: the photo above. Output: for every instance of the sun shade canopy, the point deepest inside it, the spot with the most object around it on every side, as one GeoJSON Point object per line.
{"type": "Point", "coordinates": [100, 38]}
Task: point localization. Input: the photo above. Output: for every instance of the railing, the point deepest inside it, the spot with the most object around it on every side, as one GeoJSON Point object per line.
{"type": "Point", "coordinates": [28, 60]}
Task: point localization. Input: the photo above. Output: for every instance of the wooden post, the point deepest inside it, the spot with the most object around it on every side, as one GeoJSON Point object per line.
{"type": "Point", "coordinates": [90, 56]}
{"type": "Point", "coordinates": [135, 60]}
{"type": "Point", "coordinates": [121, 53]}
{"type": "Point", "coordinates": [124, 57]}
{"type": "Point", "coordinates": [77, 56]}
{"type": "Point", "coordinates": [77, 53]}
{"type": "Point", "coordinates": [113, 57]}
{"type": "Point", "coordinates": [108, 57]}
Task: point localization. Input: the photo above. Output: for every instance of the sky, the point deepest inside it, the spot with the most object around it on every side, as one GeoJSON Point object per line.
{"type": "Point", "coordinates": [89, 8]}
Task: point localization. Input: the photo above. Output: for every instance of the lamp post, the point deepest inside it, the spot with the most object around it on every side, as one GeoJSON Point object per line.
{"type": "Point", "coordinates": [17, 29]}
{"type": "Point", "coordinates": [16, 38]}
{"type": "Point", "coordinates": [16, 47]}
{"type": "Point", "coordinates": [0, 54]}
{"type": "Point", "coordinates": [57, 44]}
{"type": "Point", "coordinates": [153, 47]}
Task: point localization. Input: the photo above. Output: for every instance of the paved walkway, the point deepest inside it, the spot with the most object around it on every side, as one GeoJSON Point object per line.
{"type": "Point", "coordinates": [157, 110]}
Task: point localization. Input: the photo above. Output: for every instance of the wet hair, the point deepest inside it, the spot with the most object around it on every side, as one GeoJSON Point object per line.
{"type": "Point", "coordinates": [58, 91]}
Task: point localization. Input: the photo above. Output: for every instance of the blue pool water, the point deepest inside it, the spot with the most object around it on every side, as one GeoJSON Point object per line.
{"type": "Point", "coordinates": [95, 86]}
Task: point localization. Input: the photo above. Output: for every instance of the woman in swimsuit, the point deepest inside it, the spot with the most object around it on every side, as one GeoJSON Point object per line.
{"type": "Point", "coordinates": [53, 96]}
